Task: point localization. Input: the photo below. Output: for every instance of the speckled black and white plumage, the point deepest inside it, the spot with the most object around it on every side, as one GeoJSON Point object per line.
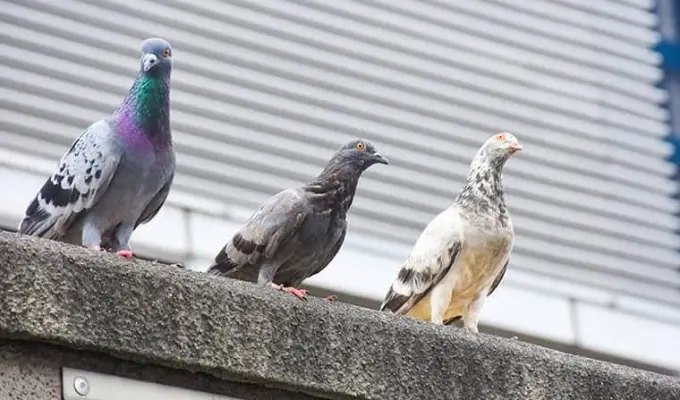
{"type": "Point", "coordinates": [296, 233]}
{"type": "Point", "coordinates": [118, 172]}
{"type": "Point", "coordinates": [463, 253]}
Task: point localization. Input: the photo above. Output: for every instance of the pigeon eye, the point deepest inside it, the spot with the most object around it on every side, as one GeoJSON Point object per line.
{"type": "Point", "coordinates": [166, 52]}
{"type": "Point", "coordinates": [361, 146]}
{"type": "Point", "coordinates": [500, 136]}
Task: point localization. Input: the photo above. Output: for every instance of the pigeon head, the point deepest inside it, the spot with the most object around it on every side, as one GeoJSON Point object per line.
{"type": "Point", "coordinates": [156, 57]}
{"type": "Point", "coordinates": [502, 145]}
{"type": "Point", "coordinates": [360, 154]}
{"type": "Point", "coordinates": [496, 150]}
{"type": "Point", "coordinates": [335, 186]}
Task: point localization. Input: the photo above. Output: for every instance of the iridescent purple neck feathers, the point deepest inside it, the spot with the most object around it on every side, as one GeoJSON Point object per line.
{"type": "Point", "coordinates": [143, 119]}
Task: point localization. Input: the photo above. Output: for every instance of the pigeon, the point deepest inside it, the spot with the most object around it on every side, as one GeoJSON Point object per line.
{"type": "Point", "coordinates": [118, 172]}
{"type": "Point", "coordinates": [296, 233]}
{"type": "Point", "coordinates": [463, 253]}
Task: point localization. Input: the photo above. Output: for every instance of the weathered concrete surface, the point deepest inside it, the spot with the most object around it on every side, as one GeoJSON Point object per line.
{"type": "Point", "coordinates": [169, 317]}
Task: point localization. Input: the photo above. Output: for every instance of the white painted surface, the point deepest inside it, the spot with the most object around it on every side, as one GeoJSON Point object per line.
{"type": "Point", "coordinates": [99, 386]}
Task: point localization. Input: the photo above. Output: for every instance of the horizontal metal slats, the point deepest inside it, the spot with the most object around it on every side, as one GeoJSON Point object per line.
{"type": "Point", "coordinates": [561, 11]}
{"type": "Point", "coordinates": [517, 14]}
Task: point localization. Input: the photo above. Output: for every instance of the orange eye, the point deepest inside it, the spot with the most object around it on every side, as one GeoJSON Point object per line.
{"type": "Point", "coordinates": [500, 136]}
{"type": "Point", "coordinates": [166, 52]}
{"type": "Point", "coordinates": [361, 146]}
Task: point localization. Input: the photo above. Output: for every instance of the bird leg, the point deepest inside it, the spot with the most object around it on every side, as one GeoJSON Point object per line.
{"type": "Point", "coordinates": [331, 298]}
{"type": "Point", "coordinates": [125, 253]}
{"type": "Point", "coordinates": [95, 248]}
{"type": "Point", "coordinates": [471, 318]}
{"type": "Point", "coordinates": [440, 298]}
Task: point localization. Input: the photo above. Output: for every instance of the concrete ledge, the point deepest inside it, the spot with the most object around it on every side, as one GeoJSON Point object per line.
{"type": "Point", "coordinates": [153, 315]}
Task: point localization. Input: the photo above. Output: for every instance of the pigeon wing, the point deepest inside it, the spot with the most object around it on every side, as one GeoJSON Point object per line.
{"type": "Point", "coordinates": [156, 203]}
{"type": "Point", "coordinates": [81, 178]}
{"type": "Point", "coordinates": [266, 234]}
{"type": "Point", "coordinates": [331, 253]}
{"type": "Point", "coordinates": [499, 278]}
{"type": "Point", "coordinates": [432, 257]}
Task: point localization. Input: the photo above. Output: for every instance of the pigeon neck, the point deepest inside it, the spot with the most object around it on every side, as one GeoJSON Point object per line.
{"type": "Point", "coordinates": [483, 189]}
{"type": "Point", "coordinates": [334, 188]}
{"type": "Point", "coordinates": [143, 119]}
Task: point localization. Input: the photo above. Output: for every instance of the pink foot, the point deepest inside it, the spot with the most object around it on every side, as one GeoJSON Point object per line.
{"type": "Point", "coordinates": [331, 298]}
{"type": "Point", "coordinates": [125, 253]}
{"type": "Point", "coordinates": [299, 293]}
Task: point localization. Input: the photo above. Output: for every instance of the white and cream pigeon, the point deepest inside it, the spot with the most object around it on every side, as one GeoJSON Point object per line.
{"type": "Point", "coordinates": [461, 256]}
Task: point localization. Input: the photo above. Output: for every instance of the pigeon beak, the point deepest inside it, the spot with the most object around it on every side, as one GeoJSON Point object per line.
{"type": "Point", "coordinates": [515, 147]}
{"type": "Point", "coordinates": [149, 60]}
{"type": "Point", "coordinates": [380, 159]}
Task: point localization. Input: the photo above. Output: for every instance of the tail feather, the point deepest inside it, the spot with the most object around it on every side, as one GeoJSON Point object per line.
{"type": "Point", "coordinates": [223, 265]}
{"type": "Point", "coordinates": [394, 301]}
{"type": "Point", "coordinates": [37, 221]}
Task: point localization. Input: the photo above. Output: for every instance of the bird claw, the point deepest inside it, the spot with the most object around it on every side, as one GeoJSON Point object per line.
{"type": "Point", "coordinates": [470, 330]}
{"type": "Point", "coordinates": [125, 254]}
{"type": "Point", "coordinates": [299, 293]}
{"type": "Point", "coordinates": [331, 298]}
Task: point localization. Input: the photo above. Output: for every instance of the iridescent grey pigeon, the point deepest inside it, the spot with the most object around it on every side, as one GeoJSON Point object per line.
{"type": "Point", "coordinates": [296, 233]}
{"type": "Point", "coordinates": [461, 256]}
{"type": "Point", "coordinates": [118, 172]}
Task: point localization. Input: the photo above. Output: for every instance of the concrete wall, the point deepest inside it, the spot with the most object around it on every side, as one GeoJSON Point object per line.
{"type": "Point", "coordinates": [67, 306]}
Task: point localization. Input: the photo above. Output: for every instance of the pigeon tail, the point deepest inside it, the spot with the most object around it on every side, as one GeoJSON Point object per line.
{"type": "Point", "coordinates": [222, 267]}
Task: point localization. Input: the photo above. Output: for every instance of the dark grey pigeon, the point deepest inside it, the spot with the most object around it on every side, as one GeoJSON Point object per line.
{"type": "Point", "coordinates": [117, 174]}
{"type": "Point", "coordinates": [296, 233]}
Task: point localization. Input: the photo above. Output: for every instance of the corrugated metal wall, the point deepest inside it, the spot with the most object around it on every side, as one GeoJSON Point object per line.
{"type": "Point", "coordinates": [264, 91]}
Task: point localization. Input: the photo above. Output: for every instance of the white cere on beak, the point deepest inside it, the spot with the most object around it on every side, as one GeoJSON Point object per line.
{"type": "Point", "coordinates": [149, 61]}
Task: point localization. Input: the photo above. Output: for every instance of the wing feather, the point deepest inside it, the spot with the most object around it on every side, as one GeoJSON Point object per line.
{"type": "Point", "coordinates": [265, 233]}
{"type": "Point", "coordinates": [432, 257]}
{"type": "Point", "coordinates": [81, 178]}
{"type": "Point", "coordinates": [156, 203]}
